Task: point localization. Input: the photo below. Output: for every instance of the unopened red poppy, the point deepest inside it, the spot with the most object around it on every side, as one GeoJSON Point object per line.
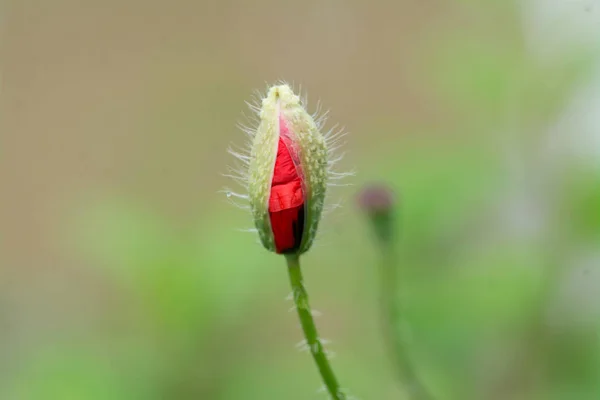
{"type": "Point", "coordinates": [287, 173]}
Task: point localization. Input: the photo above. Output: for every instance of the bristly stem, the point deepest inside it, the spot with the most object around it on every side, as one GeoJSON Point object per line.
{"type": "Point", "coordinates": [307, 322]}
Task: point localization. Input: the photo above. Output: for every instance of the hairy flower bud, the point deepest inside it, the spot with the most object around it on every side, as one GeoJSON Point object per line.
{"type": "Point", "coordinates": [287, 171]}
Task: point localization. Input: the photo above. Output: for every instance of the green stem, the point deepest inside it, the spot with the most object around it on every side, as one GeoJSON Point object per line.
{"type": "Point", "coordinates": [310, 330]}
{"type": "Point", "coordinates": [379, 203]}
{"type": "Point", "coordinates": [393, 318]}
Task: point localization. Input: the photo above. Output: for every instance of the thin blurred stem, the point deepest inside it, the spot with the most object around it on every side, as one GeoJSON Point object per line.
{"type": "Point", "coordinates": [379, 203]}
{"type": "Point", "coordinates": [310, 330]}
{"type": "Point", "coordinates": [393, 319]}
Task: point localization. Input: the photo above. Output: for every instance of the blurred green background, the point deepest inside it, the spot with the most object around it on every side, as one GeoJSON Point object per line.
{"type": "Point", "coordinates": [124, 274]}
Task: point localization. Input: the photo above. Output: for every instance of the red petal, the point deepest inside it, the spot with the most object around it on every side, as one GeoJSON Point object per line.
{"type": "Point", "coordinates": [286, 202]}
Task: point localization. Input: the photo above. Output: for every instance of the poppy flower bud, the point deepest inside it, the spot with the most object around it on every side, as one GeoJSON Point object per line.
{"type": "Point", "coordinates": [287, 173]}
{"type": "Point", "coordinates": [379, 203]}
{"type": "Point", "coordinates": [286, 170]}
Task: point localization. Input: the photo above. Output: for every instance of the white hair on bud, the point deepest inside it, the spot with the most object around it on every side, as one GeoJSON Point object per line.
{"type": "Point", "coordinates": [333, 138]}
{"type": "Point", "coordinates": [247, 230]}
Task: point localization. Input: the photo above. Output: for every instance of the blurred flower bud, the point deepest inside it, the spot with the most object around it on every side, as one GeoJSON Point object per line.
{"type": "Point", "coordinates": [378, 202]}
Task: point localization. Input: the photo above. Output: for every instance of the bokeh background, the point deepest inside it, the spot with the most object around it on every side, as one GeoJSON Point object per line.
{"type": "Point", "coordinates": [123, 273]}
